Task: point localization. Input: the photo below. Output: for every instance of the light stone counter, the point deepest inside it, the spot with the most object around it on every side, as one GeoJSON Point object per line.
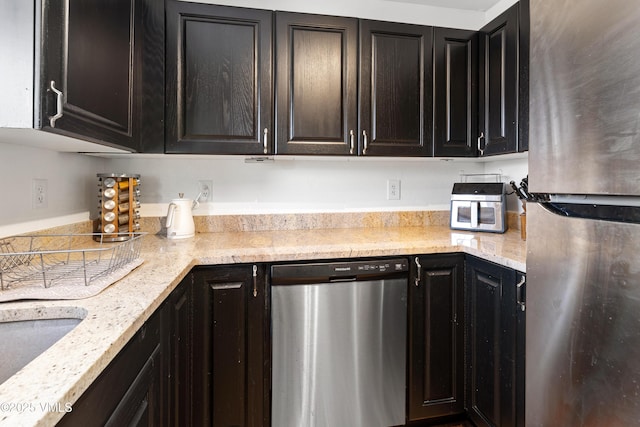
{"type": "Point", "coordinates": [41, 392]}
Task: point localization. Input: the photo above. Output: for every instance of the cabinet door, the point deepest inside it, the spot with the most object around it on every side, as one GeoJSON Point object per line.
{"type": "Point", "coordinates": [128, 391]}
{"type": "Point", "coordinates": [92, 69]}
{"type": "Point", "coordinates": [316, 80]}
{"type": "Point", "coordinates": [524, 25]}
{"type": "Point", "coordinates": [436, 337]}
{"type": "Point", "coordinates": [499, 84]}
{"type": "Point", "coordinates": [492, 340]}
{"type": "Point", "coordinates": [455, 92]}
{"type": "Point", "coordinates": [395, 89]}
{"type": "Point", "coordinates": [520, 368]}
{"type": "Point", "coordinates": [180, 348]}
{"type": "Point", "coordinates": [219, 86]}
{"type": "Point", "coordinates": [137, 407]}
{"type": "Point", "coordinates": [230, 313]}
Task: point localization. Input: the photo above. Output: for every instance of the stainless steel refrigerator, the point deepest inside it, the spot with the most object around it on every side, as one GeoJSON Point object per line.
{"type": "Point", "coordinates": [583, 259]}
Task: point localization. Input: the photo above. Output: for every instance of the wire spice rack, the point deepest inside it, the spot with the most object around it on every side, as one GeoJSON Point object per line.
{"type": "Point", "coordinates": [50, 259]}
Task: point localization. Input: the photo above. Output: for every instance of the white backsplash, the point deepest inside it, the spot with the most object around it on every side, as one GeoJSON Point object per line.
{"type": "Point", "coordinates": [70, 186]}
{"type": "Point", "coordinates": [286, 185]}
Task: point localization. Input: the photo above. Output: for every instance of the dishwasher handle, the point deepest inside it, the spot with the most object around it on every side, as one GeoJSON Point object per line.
{"type": "Point", "coordinates": [342, 279]}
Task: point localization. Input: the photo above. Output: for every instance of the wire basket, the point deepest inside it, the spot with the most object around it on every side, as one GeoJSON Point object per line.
{"type": "Point", "coordinates": [49, 259]}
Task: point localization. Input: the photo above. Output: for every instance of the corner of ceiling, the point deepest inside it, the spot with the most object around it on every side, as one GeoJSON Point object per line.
{"type": "Point", "coordinates": [494, 11]}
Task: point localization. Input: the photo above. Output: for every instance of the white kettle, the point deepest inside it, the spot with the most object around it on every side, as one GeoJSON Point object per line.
{"type": "Point", "coordinates": [180, 223]}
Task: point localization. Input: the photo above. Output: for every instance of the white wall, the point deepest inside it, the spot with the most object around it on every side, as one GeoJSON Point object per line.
{"type": "Point", "coordinates": [512, 170]}
{"type": "Point", "coordinates": [371, 9]}
{"type": "Point", "coordinates": [496, 10]}
{"type": "Point", "coordinates": [301, 184]}
{"type": "Point", "coordinates": [71, 182]}
{"type": "Point", "coordinates": [286, 185]}
{"type": "Point", "coordinates": [384, 10]}
{"type": "Point", "coordinates": [16, 74]}
{"type": "Point", "coordinates": [298, 184]}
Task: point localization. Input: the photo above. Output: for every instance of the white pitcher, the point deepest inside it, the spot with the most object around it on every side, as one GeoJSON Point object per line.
{"type": "Point", "coordinates": [180, 223]}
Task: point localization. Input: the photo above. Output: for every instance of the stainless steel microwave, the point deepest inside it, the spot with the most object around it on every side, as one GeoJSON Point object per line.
{"type": "Point", "coordinates": [479, 207]}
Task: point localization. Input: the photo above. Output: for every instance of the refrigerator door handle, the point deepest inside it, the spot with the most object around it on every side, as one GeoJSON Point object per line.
{"type": "Point", "coordinates": [519, 299]}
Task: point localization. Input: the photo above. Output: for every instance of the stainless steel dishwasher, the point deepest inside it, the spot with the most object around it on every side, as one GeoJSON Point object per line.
{"type": "Point", "coordinates": [339, 343]}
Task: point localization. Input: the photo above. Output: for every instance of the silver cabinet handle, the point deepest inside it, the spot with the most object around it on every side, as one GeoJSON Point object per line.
{"type": "Point", "coordinates": [265, 141]}
{"type": "Point", "coordinates": [225, 286]}
{"type": "Point", "coordinates": [480, 138]}
{"type": "Point", "coordinates": [419, 272]}
{"type": "Point", "coordinates": [365, 141]}
{"type": "Point", "coordinates": [59, 104]}
{"type": "Point", "coordinates": [352, 138]}
{"type": "Point", "coordinates": [519, 299]}
{"type": "Point", "coordinates": [255, 281]}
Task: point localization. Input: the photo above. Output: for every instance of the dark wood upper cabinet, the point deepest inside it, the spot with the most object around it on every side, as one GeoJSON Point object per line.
{"type": "Point", "coordinates": [395, 89]}
{"type": "Point", "coordinates": [436, 338]}
{"type": "Point", "coordinates": [499, 74]}
{"type": "Point", "coordinates": [94, 71]}
{"type": "Point", "coordinates": [186, 77]}
{"type": "Point", "coordinates": [219, 79]}
{"type": "Point", "coordinates": [523, 75]}
{"type": "Point", "coordinates": [455, 92]}
{"type": "Point", "coordinates": [316, 80]}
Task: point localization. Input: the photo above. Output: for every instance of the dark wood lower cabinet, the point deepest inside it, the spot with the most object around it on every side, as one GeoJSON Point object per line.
{"type": "Point", "coordinates": [201, 359]}
{"type": "Point", "coordinates": [495, 344]}
{"type": "Point", "coordinates": [232, 383]}
{"type": "Point", "coordinates": [179, 365]}
{"type": "Point", "coordinates": [128, 392]}
{"type": "Point", "coordinates": [436, 337]}
{"type": "Point", "coordinates": [204, 357]}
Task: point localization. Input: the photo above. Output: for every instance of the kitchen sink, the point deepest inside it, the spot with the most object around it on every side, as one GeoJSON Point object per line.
{"type": "Point", "coordinates": [27, 333]}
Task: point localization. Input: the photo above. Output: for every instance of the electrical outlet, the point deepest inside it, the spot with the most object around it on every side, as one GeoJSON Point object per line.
{"type": "Point", "coordinates": [205, 188]}
{"type": "Point", "coordinates": [393, 189]}
{"type": "Point", "coordinates": [39, 194]}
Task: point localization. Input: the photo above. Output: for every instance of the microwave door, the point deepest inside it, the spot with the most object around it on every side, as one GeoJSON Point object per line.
{"type": "Point", "coordinates": [478, 215]}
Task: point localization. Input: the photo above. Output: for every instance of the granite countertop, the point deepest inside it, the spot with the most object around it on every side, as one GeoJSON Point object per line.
{"type": "Point", "coordinates": [41, 392]}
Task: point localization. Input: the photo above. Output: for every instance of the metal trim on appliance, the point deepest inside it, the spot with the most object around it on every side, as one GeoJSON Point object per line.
{"type": "Point", "coordinates": [339, 334]}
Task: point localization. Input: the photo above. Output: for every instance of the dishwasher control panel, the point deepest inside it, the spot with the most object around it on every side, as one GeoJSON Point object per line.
{"type": "Point", "coordinates": [338, 271]}
{"type": "Point", "coordinates": [380, 266]}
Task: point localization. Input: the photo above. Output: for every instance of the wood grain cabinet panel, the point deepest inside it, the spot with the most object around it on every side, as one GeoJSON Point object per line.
{"type": "Point", "coordinates": [316, 80]}
{"type": "Point", "coordinates": [101, 74]}
{"type": "Point", "coordinates": [395, 89]}
{"type": "Point", "coordinates": [495, 344]}
{"type": "Point", "coordinates": [179, 347]}
{"type": "Point", "coordinates": [219, 84]}
{"type": "Point", "coordinates": [499, 84]}
{"type": "Point", "coordinates": [436, 338]}
{"type": "Point", "coordinates": [455, 92]}
{"type": "Point", "coordinates": [128, 391]}
{"type": "Point", "coordinates": [232, 385]}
